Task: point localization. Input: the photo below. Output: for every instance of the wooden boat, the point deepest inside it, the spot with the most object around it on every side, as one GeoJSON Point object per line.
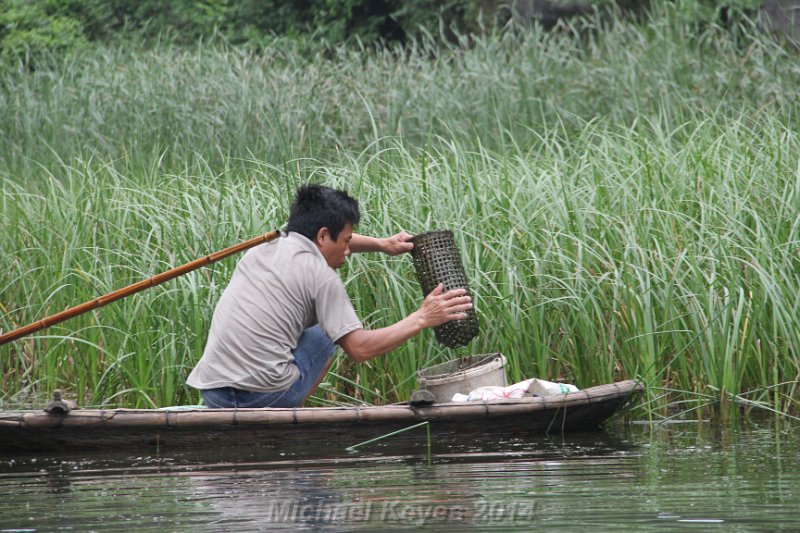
{"type": "Point", "coordinates": [27, 431]}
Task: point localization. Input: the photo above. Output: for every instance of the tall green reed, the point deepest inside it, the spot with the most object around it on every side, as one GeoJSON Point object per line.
{"type": "Point", "coordinates": [498, 91]}
{"type": "Point", "coordinates": [625, 204]}
{"type": "Point", "coordinates": [580, 268]}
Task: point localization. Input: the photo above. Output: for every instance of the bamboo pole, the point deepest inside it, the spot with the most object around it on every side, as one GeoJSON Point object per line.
{"type": "Point", "coordinates": [136, 287]}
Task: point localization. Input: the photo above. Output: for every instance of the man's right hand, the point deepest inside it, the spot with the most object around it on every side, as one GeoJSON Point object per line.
{"type": "Point", "coordinates": [397, 244]}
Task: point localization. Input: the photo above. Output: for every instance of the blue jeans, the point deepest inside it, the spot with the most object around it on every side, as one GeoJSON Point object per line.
{"type": "Point", "coordinates": [314, 351]}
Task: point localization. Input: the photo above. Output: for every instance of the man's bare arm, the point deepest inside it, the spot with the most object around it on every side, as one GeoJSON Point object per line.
{"type": "Point", "coordinates": [394, 245]}
{"type": "Point", "coordinates": [439, 307]}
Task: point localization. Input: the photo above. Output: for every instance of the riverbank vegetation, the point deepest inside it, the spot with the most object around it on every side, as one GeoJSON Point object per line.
{"type": "Point", "coordinates": [624, 195]}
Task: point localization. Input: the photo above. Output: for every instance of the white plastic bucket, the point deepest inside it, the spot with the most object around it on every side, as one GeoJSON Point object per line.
{"type": "Point", "coordinates": [463, 375]}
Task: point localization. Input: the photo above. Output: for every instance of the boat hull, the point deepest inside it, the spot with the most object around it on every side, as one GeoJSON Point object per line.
{"type": "Point", "coordinates": [26, 431]}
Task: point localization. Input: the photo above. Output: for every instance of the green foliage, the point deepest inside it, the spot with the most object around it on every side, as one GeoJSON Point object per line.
{"type": "Point", "coordinates": [32, 29]}
{"type": "Point", "coordinates": [625, 204]}
{"type": "Point", "coordinates": [331, 21]}
{"type": "Point", "coordinates": [449, 17]}
{"type": "Point", "coordinates": [703, 11]}
{"type": "Point", "coordinates": [185, 20]}
{"type": "Point", "coordinates": [36, 26]}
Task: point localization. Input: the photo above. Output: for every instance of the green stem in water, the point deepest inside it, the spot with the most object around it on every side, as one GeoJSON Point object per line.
{"type": "Point", "coordinates": [393, 433]}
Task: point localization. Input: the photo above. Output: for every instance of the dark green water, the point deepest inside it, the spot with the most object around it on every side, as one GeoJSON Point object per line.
{"type": "Point", "coordinates": [687, 477]}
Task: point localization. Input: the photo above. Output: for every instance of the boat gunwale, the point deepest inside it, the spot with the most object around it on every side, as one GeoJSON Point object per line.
{"type": "Point", "coordinates": [204, 417]}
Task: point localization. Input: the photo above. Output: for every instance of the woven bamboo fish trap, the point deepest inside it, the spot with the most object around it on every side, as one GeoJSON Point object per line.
{"type": "Point", "coordinates": [436, 260]}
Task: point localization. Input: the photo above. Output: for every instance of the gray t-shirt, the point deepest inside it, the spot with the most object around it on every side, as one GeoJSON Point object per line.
{"type": "Point", "coordinates": [277, 290]}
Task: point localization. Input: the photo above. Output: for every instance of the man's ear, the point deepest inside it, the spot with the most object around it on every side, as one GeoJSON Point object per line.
{"type": "Point", "coordinates": [322, 234]}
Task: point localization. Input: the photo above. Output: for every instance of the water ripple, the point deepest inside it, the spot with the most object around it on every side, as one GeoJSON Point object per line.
{"type": "Point", "coordinates": [645, 480]}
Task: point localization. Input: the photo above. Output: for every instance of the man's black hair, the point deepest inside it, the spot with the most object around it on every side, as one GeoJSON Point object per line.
{"type": "Point", "coordinates": [317, 206]}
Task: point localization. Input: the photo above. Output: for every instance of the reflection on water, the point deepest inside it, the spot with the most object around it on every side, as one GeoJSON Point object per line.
{"type": "Point", "coordinates": [642, 478]}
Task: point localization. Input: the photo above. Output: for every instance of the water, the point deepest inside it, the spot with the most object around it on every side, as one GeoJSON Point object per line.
{"type": "Point", "coordinates": [682, 477]}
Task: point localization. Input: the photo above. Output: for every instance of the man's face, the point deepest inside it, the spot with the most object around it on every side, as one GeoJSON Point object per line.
{"type": "Point", "coordinates": [335, 252]}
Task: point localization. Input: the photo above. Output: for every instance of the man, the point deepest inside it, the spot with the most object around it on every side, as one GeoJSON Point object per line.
{"type": "Point", "coordinates": [277, 324]}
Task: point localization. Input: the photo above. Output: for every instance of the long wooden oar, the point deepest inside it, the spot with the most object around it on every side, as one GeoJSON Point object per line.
{"type": "Point", "coordinates": [136, 287]}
